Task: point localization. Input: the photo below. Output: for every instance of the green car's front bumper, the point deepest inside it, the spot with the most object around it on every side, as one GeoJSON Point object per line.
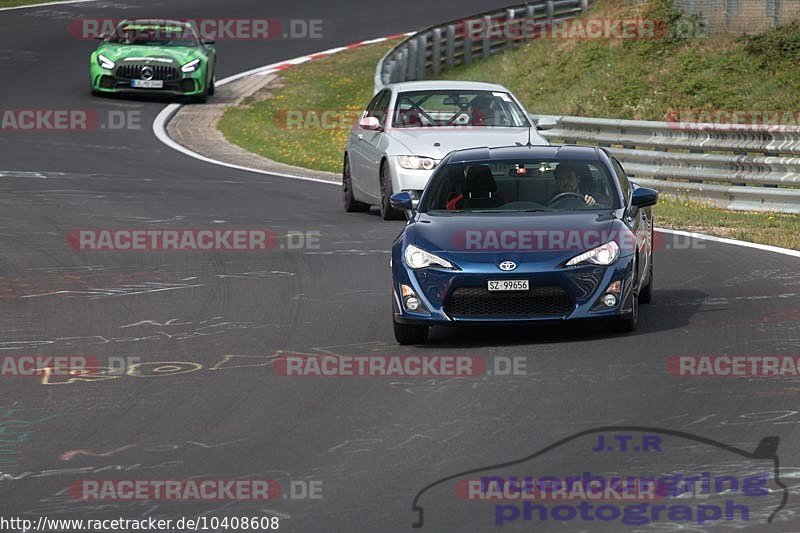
{"type": "Point", "coordinates": [174, 82]}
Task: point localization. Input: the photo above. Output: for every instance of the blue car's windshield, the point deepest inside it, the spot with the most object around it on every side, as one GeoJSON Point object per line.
{"type": "Point", "coordinates": [520, 186]}
{"type": "Point", "coordinates": [153, 35]}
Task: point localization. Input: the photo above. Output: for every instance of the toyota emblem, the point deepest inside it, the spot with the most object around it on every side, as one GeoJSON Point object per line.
{"type": "Point", "coordinates": [508, 265]}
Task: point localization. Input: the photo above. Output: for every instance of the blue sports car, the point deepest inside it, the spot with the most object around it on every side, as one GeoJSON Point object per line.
{"type": "Point", "coordinates": [523, 234]}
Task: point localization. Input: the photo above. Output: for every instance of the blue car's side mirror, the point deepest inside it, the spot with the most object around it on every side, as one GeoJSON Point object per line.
{"type": "Point", "coordinates": [402, 201]}
{"type": "Point", "coordinates": [643, 197]}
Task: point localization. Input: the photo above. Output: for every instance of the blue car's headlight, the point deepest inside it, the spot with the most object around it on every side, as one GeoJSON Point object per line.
{"type": "Point", "coordinates": [419, 258]}
{"type": "Point", "coordinates": [191, 66]}
{"type": "Point", "coordinates": [105, 62]}
{"type": "Point", "coordinates": [602, 255]}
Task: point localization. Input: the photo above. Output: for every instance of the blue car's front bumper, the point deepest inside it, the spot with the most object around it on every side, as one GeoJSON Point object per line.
{"type": "Point", "coordinates": [580, 288]}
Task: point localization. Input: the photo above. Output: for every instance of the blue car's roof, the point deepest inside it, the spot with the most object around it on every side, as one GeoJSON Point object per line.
{"type": "Point", "coordinates": [526, 152]}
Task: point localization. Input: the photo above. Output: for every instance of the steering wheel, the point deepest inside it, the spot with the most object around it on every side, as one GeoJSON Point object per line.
{"type": "Point", "coordinates": [559, 197]}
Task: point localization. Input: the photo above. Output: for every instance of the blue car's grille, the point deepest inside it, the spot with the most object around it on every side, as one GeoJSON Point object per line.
{"type": "Point", "coordinates": [159, 72]}
{"type": "Point", "coordinates": [467, 302]}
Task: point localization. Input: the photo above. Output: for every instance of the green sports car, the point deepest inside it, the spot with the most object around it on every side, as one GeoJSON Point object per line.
{"type": "Point", "coordinates": [154, 56]}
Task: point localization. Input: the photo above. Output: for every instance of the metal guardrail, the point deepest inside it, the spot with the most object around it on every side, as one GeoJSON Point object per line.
{"type": "Point", "coordinates": [439, 47]}
{"type": "Point", "coordinates": [734, 166]}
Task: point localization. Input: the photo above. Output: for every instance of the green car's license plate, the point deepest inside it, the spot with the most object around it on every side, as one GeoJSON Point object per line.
{"type": "Point", "coordinates": [147, 84]}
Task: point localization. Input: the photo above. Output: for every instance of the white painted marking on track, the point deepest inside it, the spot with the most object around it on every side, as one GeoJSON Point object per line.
{"type": "Point", "coordinates": [45, 4]}
{"type": "Point", "coordinates": [745, 244]}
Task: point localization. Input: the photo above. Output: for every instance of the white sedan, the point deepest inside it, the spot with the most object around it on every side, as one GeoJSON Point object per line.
{"type": "Point", "coordinates": [409, 127]}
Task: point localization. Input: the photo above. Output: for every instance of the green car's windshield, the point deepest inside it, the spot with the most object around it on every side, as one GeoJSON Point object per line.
{"type": "Point", "coordinates": [152, 35]}
{"type": "Point", "coordinates": [522, 186]}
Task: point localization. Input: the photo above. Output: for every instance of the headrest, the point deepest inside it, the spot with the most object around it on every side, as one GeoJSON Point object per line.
{"type": "Point", "coordinates": [480, 179]}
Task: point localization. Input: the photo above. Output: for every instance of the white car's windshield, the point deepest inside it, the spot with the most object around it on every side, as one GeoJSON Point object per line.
{"type": "Point", "coordinates": [426, 109]}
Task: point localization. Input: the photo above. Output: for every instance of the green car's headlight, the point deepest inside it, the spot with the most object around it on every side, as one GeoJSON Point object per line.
{"type": "Point", "coordinates": [105, 62]}
{"type": "Point", "coordinates": [191, 66]}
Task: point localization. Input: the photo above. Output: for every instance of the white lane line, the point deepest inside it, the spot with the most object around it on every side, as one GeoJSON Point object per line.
{"type": "Point", "coordinates": [160, 131]}
{"type": "Point", "coordinates": [160, 122]}
{"type": "Point", "coordinates": [745, 244]}
{"type": "Point", "coordinates": [45, 4]}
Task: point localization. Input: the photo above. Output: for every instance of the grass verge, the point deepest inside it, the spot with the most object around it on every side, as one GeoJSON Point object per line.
{"type": "Point", "coordinates": [341, 83]}
{"type": "Point", "coordinates": [648, 79]}
{"type": "Point", "coordinates": [724, 73]}
{"type": "Point", "coordinates": [775, 229]}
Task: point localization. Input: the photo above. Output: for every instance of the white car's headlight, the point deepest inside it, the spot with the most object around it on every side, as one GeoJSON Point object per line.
{"type": "Point", "coordinates": [191, 66]}
{"type": "Point", "coordinates": [602, 255]}
{"type": "Point", "coordinates": [105, 62]}
{"type": "Point", "coordinates": [419, 258]}
{"type": "Point", "coordinates": [415, 162]}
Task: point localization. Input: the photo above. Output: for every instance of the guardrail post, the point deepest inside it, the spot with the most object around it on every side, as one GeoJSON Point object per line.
{"type": "Point", "coordinates": [388, 71]}
{"type": "Point", "coordinates": [436, 52]}
{"type": "Point", "coordinates": [467, 47]}
{"type": "Point", "coordinates": [584, 5]}
{"type": "Point", "coordinates": [486, 45]}
{"type": "Point", "coordinates": [411, 71]}
{"type": "Point", "coordinates": [422, 52]}
{"type": "Point", "coordinates": [399, 73]}
{"type": "Point", "coordinates": [530, 11]}
{"type": "Point", "coordinates": [450, 46]}
{"type": "Point", "coordinates": [551, 9]}
{"type": "Point", "coordinates": [509, 17]}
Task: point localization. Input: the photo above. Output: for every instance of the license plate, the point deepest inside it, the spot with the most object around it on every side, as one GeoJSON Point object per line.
{"type": "Point", "coordinates": [508, 285]}
{"type": "Point", "coordinates": [147, 84]}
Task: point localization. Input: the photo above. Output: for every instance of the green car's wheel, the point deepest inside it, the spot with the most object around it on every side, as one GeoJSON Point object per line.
{"type": "Point", "coordinates": [202, 98]}
{"type": "Point", "coordinates": [212, 88]}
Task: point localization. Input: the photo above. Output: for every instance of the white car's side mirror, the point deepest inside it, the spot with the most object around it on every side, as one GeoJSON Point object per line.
{"type": "Point", "coordinates": [369, 123]}
{"type": "Point", "coordinates": [545, 123]}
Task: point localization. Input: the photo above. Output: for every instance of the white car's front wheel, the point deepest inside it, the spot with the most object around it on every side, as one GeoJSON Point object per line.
{"type": "Point", "coordinates": [351, 205]}
{"type": "Point", "coordinates": [387, 211]}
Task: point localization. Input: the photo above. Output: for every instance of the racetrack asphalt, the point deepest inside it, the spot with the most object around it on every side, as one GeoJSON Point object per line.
{"type": "Point", "coordinates": [223, 317]}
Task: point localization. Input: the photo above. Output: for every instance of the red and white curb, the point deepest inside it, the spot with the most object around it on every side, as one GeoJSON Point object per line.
{"type": "Point", "coordinates": [166, 114]}
{"type": "Point", "coordinates": [283, 65]}
{"type": "Point", "coordinates": [160, 130]}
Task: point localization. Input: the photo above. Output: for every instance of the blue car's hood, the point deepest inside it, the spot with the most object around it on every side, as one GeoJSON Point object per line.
{"type": "Point", "coordinates": [536, 237]}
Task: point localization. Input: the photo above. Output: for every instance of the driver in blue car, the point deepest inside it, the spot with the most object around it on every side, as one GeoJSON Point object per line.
{"type": "Point", "coordinates": [568, 181]}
